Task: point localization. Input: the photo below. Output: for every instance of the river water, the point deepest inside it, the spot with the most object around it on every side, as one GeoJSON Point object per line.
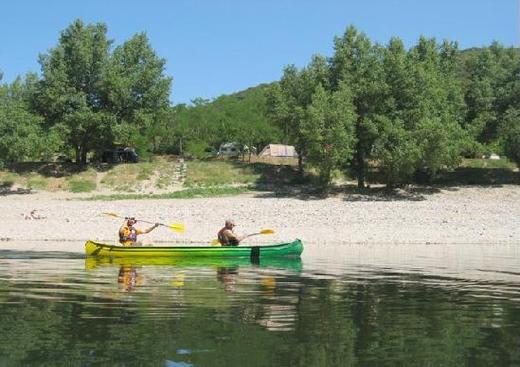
{"type": "Point", "coordinates": [348, 305]}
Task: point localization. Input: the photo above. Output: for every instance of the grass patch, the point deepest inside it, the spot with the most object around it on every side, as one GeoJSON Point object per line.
{"type": "Point", "coordinates": [83, 182]}
{"type": "Point", "coordinates": [78, 185]}
{"type": "Point", "coordinates": [129, 177]}
{"type": "Point", "coordinates": [214, 173]}
{"type": "Point", "coordinates": [146, 171]}
{"type": "Point", "coordinates": [194, 192]}
{"type": "Point", "coordinates": [502, 163]}
{"type": "Point", "coordinates": [8, 179]}
{"type": "Point", "coordinates": [37, 182]}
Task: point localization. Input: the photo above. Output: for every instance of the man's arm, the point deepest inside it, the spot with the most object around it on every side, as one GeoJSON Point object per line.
{"type": "Point", "coordinates": [151, 228]}
{"type": "Point", "coordinates": [232, 236]}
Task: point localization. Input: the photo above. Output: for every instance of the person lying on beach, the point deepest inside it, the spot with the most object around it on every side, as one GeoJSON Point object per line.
{"type": "Point", "coordinates": [128, 233]}
{"type": "Point", "coordinates": [32, 215]}
{"type": "Point", "coordinates": [227, 237]}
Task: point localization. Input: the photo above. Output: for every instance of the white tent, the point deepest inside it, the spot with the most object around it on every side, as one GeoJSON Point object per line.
{"type": "Point", "coordinates": [279, 150]}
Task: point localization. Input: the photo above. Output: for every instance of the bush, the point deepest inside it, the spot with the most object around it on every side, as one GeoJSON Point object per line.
{"type": "Point", "coordinates": [197, 149]}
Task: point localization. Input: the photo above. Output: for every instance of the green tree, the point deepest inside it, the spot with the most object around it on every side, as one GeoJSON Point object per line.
{"type": "Point", "coordinates": [435, 116]}
{"type": "Point", "coordinates": [289, 99]}
{"type": "Point", "coordinates": [71, 91]}
{"type": "Point", "coordinates": [490, 90]}
{"type": "Point", "coordinates": [328, 130]}
{"type": "Point", "coordinates": [510, 135]}
{"type": "Point", "coordinates": [136, 92]}
{"type": "Point", "coordinates": [287, 110]}
{"type": "Point", "coordinates": [23, 134]}
{"type": "Point", "coordinates": [97, 98]}
{"type": "Point", "coordinates": [395, 148]}
{"type": "Point", "coordinates": [356, 62]}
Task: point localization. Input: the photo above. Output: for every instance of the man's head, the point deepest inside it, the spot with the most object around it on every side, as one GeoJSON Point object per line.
{"type": "Point", "coordinates": [131, 221]}
{"type": "Point", "coordinates": [230, 223]}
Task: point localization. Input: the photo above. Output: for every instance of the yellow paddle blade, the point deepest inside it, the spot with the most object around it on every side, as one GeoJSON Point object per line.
{"type": "Point", "coordinates": [266, 231]}
{"type": "Point", "coordinates": [215, 242]}
{"type": "Point", "coordinates": [177, 227]}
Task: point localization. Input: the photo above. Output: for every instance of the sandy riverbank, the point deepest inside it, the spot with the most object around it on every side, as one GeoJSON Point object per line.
{"type": "Point", "coordinates": [455, 215]}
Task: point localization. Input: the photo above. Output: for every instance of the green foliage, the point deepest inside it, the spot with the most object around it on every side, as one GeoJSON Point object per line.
{"type": "Point", "coordinates": [491, 88]}
{"type": "Point", "coordinates": [357, 62]}
{"type": "Point", "coordinates": [70, 94]}
{"type": "Point", "coordinates": [396, 151]}
{"type": "Point", "coordinates": [85, 185]}
{"type": "Point", "coordinates": [203, 127]}
{"type": "Point", "coordinates": [22, 131]}
{"type": "Point", "coordinates": [402, 109]}
{"type": "Point", "coordinates": [89, 93]}
{"type": "Point", "coordinates": [197, 148]}
{"type": "Point", "coordinates": [328, 131]}
{"type": "Point", "coordinates": [137, 92]}
{"type": "Point", "coordinates": [289, 100]}
{"type": "Point", "coordinates": [510, 135]}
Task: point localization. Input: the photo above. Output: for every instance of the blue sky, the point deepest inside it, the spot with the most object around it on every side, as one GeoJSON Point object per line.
{"type": "Point", "coordinates": [223, 46]}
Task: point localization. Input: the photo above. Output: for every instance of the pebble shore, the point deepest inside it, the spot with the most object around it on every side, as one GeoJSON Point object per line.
{"type": "Point", "coordinates": [459, 215]}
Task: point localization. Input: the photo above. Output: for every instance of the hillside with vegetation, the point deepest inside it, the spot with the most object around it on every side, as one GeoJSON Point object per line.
{"type": "Point", "coordinates": [372, 112]}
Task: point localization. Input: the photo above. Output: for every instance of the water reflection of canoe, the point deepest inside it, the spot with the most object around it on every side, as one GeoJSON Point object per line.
{"type": "Point", "coordinates": [294, 264]}
{"type": "Point", "coordinates": [293, 249]}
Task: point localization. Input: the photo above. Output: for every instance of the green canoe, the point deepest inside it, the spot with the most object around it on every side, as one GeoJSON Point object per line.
{"type": "Point", "coordinates": [292, 249]}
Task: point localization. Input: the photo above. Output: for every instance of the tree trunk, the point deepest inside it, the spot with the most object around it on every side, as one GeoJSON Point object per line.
{"type": "Point", "coordinates": [300, 165]}
{"type": "Point", "coordinates": [77, 153]}
{"type": "Point", "coordinates": [83, 157]}
{"type": "Point", "coordinates": [360, 170]}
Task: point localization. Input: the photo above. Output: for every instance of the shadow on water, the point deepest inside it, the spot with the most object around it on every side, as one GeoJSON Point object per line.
{"type": "Point", "coordinates": [14, 254]}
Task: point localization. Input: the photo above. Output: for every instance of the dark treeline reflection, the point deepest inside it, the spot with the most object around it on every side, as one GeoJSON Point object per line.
{"type": "Point", "coordinates": [251, 315]}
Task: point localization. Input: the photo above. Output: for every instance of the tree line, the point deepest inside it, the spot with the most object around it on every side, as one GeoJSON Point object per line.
{"type": "Point", "coordinates": [407, 112]}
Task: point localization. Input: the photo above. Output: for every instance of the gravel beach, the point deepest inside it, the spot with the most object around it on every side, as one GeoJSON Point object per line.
{"type": "Point", "coordinates": [445, 216]}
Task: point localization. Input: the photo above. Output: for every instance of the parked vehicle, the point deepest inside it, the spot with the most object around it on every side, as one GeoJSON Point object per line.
{"type": "Point", "coordinates": [230, 150]}
{"type": "Point", "coordinates": [118, 155]}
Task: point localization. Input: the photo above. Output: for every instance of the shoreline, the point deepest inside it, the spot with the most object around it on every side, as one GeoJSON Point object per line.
{"type": "Point", "coordinates": [463, 215]}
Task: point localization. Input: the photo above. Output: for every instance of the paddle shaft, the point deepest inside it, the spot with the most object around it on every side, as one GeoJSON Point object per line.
{"type": "Point", "coordinates": [146, 221]}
